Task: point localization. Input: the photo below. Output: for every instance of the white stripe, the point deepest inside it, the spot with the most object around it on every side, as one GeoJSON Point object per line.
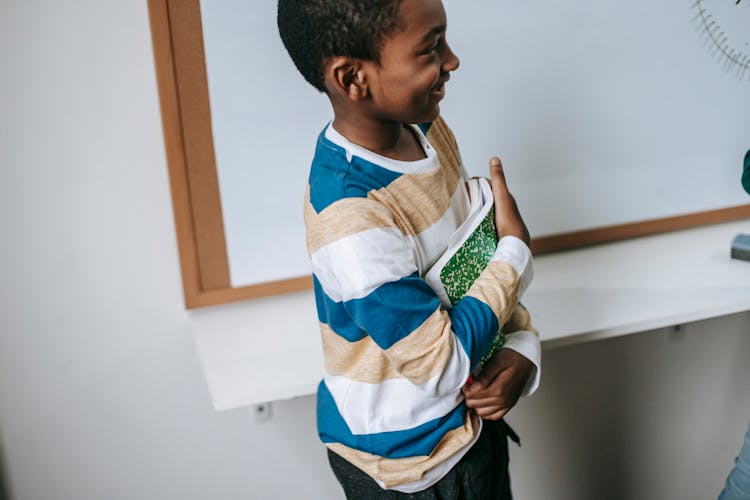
{"type": "Point", "coordinates": [527, 344]}
{"type": "Point", "coordinates": [431, 161]}
{"type": "Point", "coordinates": [398, 404]}
{"type": "Point", "coordinates": [515, 252]}
{"type": "Point", "coordinates": [339, 265]}
{"type": "Point", "coordinates": [432, 242]}
{"type": "Point", "coordinates": [354, 266]}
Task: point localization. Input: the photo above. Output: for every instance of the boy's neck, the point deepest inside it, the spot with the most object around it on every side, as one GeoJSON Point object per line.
{"type": "Point", "coordinates": [390, 139]}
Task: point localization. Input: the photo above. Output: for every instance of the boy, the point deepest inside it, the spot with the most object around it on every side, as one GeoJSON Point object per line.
{"type": "Point", "coordinates": [383, 201]}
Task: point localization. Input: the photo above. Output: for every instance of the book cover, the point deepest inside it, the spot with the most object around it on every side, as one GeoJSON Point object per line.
{"type": "Point", "coordinates": [469, 251]}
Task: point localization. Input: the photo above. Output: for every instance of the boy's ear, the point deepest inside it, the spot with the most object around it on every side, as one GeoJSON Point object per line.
{"type": "Point", "coordinates": [347, 77]}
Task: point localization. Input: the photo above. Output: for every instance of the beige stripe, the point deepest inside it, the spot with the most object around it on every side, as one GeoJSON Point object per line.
{"type": "Point", "coordinates": [520, 320]}
{"type": "Point", "coordinates": [396, 471]}
{"type": "Point", "coordinates": [422, 199]}
{"type": "Point", "coordinates": [364, 361]}
{"type": "Point", "coordinates": [419, 357]}
{"type": "Point", "coordinates": [411, 203]}
{"type": "Point", "coordinates": [425, 352]}
{"type": "Point", "coordinates": [442, 139]}
{"type": "Point", "coordinates": [419, 200]}
{"type": "Point", "coordinates": [360, 361]}
{"type": "Point", "coordinates": [343, 218]}
{"type": "Point", "coordinates": [497, 287]}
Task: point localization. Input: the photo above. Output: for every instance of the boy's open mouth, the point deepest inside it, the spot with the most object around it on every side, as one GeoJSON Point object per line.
{"type": "Point", "coordinates": [438, 90]}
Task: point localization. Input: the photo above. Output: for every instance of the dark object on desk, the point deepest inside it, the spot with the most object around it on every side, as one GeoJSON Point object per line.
{"type": "Point", "coordinates": [741, 247]}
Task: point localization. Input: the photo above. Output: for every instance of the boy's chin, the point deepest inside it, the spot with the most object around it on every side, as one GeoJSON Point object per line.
{"type": "Point", "coordinates": [429, 116]}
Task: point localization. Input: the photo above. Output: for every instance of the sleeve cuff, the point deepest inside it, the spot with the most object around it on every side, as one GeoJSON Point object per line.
{"type": "Point", "coordinates": [515, 252]}
{"type": "Point", "coordinates": [527, 344]}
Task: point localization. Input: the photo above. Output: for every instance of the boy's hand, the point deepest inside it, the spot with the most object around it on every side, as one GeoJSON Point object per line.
{"type": "Point", "coordinates": [508, 220]}
{"type": "Point", "coordinates": [499, 385]}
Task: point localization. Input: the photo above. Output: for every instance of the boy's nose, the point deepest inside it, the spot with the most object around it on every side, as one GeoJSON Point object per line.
{"type": "Point", "coordinates": [451, 60]}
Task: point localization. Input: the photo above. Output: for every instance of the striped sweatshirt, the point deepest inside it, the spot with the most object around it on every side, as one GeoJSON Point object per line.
{"type": "Point", "coordinates": [395, 361]}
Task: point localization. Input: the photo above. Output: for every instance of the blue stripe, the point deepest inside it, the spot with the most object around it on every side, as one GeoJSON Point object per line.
{"type": "Point", "coordinates": [475, 325]}
{"type": "Point", "coordinates": [334, 315]}
{"type": "Point", "coordinates": [333, 178]}
{"type": "Point", "coordinates": [369, 174]}
{"type": "Point", "coordinates": [424, 127]}
{"type": "Point", "coordinates": [394, 310]}
{"type": "Point", "coordinates": [328, 176]}
{"type": "Point", "coordinates": [415, 442]}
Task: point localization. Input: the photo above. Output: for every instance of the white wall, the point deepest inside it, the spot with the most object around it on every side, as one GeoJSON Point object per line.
{"type": "Point", "coordinates": [659, 415]}
{"type": "Point", "coordinates": [101, 392]}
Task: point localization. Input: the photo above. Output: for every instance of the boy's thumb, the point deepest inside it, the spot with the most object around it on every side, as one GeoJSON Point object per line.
{"type": "Point", "coordinates": [497, 175]}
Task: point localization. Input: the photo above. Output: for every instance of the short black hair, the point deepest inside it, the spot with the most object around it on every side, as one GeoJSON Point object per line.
{"type": "Point", "coordinates": [315, 30]}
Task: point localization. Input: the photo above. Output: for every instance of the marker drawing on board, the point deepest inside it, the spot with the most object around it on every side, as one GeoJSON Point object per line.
{"type": "Point", "coordinates": [725, 27]}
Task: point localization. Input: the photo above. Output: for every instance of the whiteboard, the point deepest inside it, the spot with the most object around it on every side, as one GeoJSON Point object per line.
{"type": "Point", "coordinates": [603, 112]}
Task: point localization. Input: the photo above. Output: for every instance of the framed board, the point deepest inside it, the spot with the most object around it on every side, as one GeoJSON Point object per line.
{"type": "Point", "coordinates": [614, 120]}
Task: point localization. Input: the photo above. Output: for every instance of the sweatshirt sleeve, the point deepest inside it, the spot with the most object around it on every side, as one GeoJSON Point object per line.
{"type": "Point", "coordinates": [370, 285]}
{"type": "Point", "coordinates": [522, 337]}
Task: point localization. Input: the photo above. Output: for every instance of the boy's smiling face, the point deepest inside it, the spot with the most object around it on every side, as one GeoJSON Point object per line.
{"type": "Point", "coordinates": [408, 83]}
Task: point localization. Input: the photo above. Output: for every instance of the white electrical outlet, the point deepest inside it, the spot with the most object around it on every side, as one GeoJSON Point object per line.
{"type": "Point", "coordinates": [262, 412]}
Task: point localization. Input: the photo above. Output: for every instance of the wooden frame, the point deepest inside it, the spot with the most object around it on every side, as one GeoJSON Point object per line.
{"type": "Point", "coordinates": [183, 90]}
{"type": "Point", "coordinates": [186, 117]}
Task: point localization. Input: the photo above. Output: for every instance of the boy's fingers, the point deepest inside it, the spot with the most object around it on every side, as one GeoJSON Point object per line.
{"type": "Point", "coordinates": [486, 402]}
{"type": "Point", "coordinates": [493, 389]}
{"type": "Point", "coordinates": [492, 373]}
{"type": "Point", "coordinates": [497, 415]}
{"type": "Point", "coordinates": [492, 411]}
{"type": "Point", "coordinates": [488, 411]}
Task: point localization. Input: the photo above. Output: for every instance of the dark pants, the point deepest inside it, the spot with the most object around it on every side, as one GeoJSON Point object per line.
{"type": "Point", "coordinates": [481, 474]}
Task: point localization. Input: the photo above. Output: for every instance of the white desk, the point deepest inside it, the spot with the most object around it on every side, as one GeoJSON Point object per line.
{"type": "Point", "coordinates": [639, 285]}
{"type": "Point", "coordinates": [269, 349]}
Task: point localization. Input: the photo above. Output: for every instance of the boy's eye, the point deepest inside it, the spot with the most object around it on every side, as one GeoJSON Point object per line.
{"type": "Point", "coordinates": [434, 46]}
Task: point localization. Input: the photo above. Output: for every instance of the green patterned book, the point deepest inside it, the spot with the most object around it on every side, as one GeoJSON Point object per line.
{"type": "Point", "coordinates": [469, 251]}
